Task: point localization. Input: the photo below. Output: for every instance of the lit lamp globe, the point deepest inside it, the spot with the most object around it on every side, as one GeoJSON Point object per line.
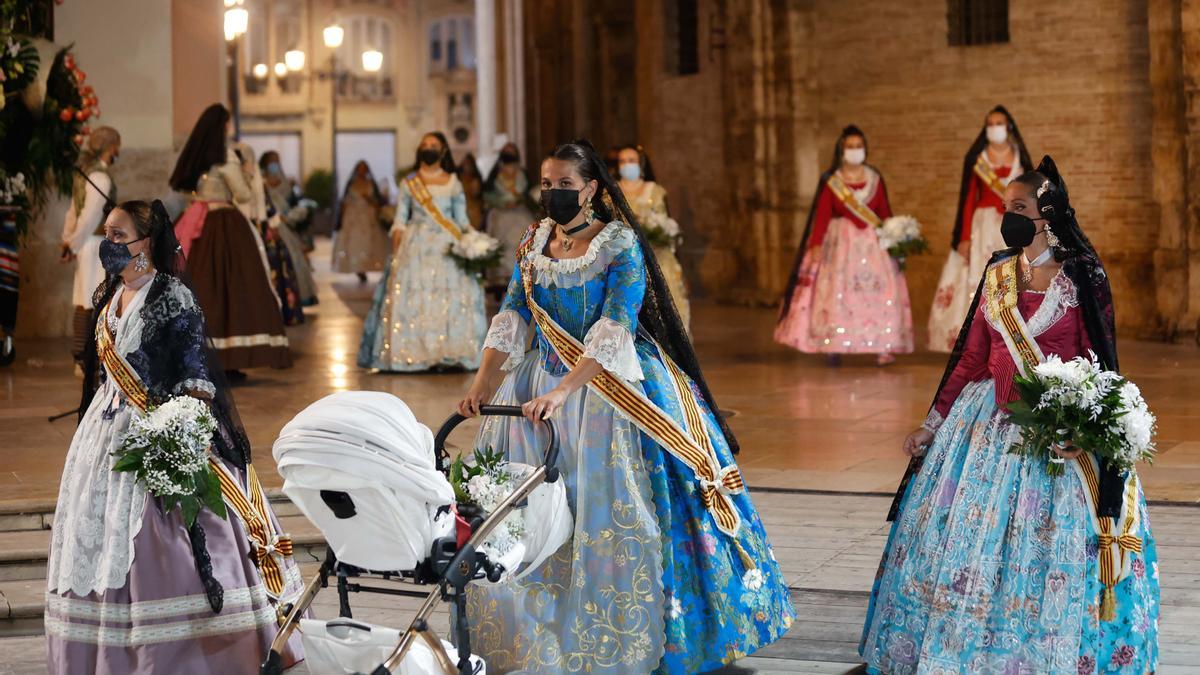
{"type": "Point", "coordinates": [333, 36]}
{"type": "Point", "coordinates": [294, 58]}
{"type": "Point", "coordinates": [281, 70]}
{"type": "Point", "coordinates": [236, 21]}
{"type": "Point", "coordinates": [372, 60]}
{"type": "Point", "coordinates": [260, 71]}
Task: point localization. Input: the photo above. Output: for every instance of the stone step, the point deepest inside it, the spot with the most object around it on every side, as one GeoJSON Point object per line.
{"type": "Point", "coordinates": [23, 553]}
{"type": "Point", "coordinates": [25, 515]}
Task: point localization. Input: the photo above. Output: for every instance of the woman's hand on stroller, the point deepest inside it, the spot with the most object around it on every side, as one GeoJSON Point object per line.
{"type": "Point", "coordinates": [477, 396]}
{"type": "Point", "coordinates": [544, 406]}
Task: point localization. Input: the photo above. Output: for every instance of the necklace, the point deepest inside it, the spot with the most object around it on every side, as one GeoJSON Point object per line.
{"type": "Point", "coordinates": [1027, 270]}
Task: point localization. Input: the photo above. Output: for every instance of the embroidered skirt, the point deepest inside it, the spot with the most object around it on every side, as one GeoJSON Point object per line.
{"type": "Point", "coordinates": [647, 582]}
{"type": "Point", "coordinates": [852, 298]}
{"type": "Point", "coordinates": [992, 566]}
{"type": "Point", "coordinates": [960, 278]}
{"type": "Point", "coordinates": [240, 309]}
{"type": "Point", "coordinates": [283, 275]}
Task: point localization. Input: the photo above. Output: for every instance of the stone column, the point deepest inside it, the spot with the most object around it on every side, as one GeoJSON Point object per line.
{"type": "Point", "coordinates": [485, 82]}
{"type": "Point", "coordinates": [514, 64]}
{"type": "Point", "coordinates": [1169, 160]}
{"type": "Point", "coordinates": [1187, 284]}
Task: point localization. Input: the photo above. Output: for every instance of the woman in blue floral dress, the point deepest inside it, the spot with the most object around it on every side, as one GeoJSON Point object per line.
{"type": "Point", "coordinates": [669, 569]}
{"type": "Point", "coordinates": [427, 313]}
{"type": "Point", "coordinates": [993, 565]}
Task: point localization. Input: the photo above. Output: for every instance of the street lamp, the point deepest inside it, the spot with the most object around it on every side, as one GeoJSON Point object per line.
{"type": "Point", "coordinates": [294, 58]}
{"type": "Point", "coordinates": [237, 21]}
{"type": "Point", "coordinates": [281, 70]}
{"type": "Point", "coordinates": [372, 60]}
{"type": "Point", "coordinates": [260, 71]}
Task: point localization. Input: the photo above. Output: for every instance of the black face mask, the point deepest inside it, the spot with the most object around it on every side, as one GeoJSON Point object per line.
{"type": "Point", "coordinates": [561, 205]}
{"type": "Point", "coordinates": [429, 156]}
{"type": "Point", "coordinates": [114, 257]}
{"type": "Point", "coordinates": [1018, 230]}
{"type": "Point", "coordinates": [509, 158]}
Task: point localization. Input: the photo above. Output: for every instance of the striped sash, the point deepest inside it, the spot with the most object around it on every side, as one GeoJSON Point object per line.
{"type": "Point", "coordinates": [118, 368]}
{"type": "Point", "coordinates": [1001, 298]}
{"type": "Point", "coordinates": [852, 202]}
{"type": "Point", "coordinates": [269, 550]}
{"type": "Point", "coordinates": [687, 441]}
{"type": "Point", "coordinates": [988, 175]}
{"type": "Point", "coordinates": [420, 193]}
{"type": "Point", "coordinates": [1117, 538]}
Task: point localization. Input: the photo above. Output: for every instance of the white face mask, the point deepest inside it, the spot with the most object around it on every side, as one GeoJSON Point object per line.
{"type": "Point", "coordinates": [854, 156]}
{"type": "Point", "coordinates": [997, 133]}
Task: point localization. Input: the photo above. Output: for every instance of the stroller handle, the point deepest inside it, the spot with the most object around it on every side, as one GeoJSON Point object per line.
{"type": "Point", "coordinates": [551, 460]}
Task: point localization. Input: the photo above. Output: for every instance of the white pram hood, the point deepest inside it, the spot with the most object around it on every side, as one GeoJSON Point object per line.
{"type": "Point", "coordinates": [370, 446]}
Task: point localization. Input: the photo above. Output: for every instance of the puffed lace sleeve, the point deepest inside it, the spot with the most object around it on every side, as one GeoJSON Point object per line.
{"type": "Point", "coordinates": [611, 339]}
{"type": "Point", "coordinates": [187, 333]}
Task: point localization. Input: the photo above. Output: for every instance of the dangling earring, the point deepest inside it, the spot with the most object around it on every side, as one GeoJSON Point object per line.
{"type": "Point", "coordinates": [1051, 238]}
{"type": "Point", "coordinates": [141, 262]}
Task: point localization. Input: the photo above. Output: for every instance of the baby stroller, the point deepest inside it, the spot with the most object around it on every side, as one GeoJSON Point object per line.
{"type": "Point", "coordinates": [374, 481]}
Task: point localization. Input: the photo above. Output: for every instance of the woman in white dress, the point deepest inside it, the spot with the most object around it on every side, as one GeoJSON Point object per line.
{"type": "Point", "coordinates": [427, 312]}
{"type": "Point", "coordinates": [997, 156]}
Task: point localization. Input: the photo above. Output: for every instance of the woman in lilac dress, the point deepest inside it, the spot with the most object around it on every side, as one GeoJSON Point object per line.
{"type": "Point", "coordinates": [131, 588]}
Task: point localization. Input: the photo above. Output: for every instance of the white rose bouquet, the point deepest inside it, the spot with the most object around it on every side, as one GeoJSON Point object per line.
{"type": "Point", "coordinates": [484, 483]}
{"type": "Point", "coordinates": [167, 450]}
{"type": "Point", "coordinates": [476, 252]}
{"type": "Point", "coordinates": [662, 230]}
{"type": "Point", "coordinates": [901, 237]}
{"type": "Point", "coordinates": [1077, 401]}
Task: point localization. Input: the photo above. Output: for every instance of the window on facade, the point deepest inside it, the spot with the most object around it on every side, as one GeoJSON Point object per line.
{"type": "Point", "coordinates": [452, 44]}
{"type": "Point", "coordinates": [977, 22]}
{"type": "Point", "coordinates": [365, 32]}
{"type": "Point", "coordinates": [682, 28]}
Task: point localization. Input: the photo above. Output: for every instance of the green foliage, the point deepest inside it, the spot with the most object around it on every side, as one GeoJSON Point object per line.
{"type": "Point", "coordinates": [485, 461]}
{"type": "Point", "coordinates": [907, 248]}
{"type": "Point", "coordinates": [204, 484]}
{"type": "Point", "coordinates": [319, 188]}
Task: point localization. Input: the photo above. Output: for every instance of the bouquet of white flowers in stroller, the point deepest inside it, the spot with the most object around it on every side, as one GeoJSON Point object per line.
{"type": "Point", "coordinates": [450, 563]}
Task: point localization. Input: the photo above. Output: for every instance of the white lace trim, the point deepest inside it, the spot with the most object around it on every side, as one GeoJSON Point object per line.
{"type": "Point", "coordinates": [147, 610]}
{"type": "Point", "coordinates": [109, 636]}
{"type": "Point", "coordinates": [611, 344]}
{"type": "Point", "coordinates": [509, 334]}
{"type": "Point", "coordinates": [608, 243]}
{"type": "Point", "coordinates": [196, 384]}
{"type": "Point", "coordinates": [1060, 296]}
{"type": "Point", "coordinates": [933, 421]}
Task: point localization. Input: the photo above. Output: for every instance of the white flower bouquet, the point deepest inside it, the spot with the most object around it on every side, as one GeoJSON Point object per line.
{"type": "Point", "coordinates": [167, 450]}
{"type": "Point", "coordinates": [476, 252]}
{"type": "Point", "coordinates": [1094, 409]}
{"type": "Point", "coordinates": [901, 237]}
{"type": "Point", "coordinates": [662, 230]}
{"type": "Point", "coordinates": [484, 483]}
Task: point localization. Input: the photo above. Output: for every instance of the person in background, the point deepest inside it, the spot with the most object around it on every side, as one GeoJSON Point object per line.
{"type": "Point", "coordinates": [83, 229]}
{"type": "Point", "coordinates": [847, 295]}
{"type": "Point", "coordinates": [276, 259]}
{"type": "Point", "coordinates": [360, 242]}
{"type": "Point", "coordinates": [506, 197]}
{"type": "Point", "coordinates": [996, 158]}
{"type": "Point", "coordinates": [285, 209]}
{"type": "Point", "coordinates": [472, 182]}
{"type": "Point", "coordinates": [427, 313]}
{"type": "Point", "coordinates": [648, 200]}
{"type": "Point", "coordinates": [223, 258]}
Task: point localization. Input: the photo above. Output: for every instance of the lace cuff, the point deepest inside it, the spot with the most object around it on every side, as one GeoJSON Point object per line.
{"type": "Point", "coordinates": [933, 421]}
{"type": "Point", "coordinates": [196, 384]}
{"type": "Point", "coordinates": [611, 344]}
{"type": "Point", "coordinates": [509, 334]}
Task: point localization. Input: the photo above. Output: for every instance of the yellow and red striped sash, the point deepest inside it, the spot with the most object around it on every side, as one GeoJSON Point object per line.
{"type": "Point", "coordinates": [1001, 307]}
{"type": "Point", "coordinates": [118, 368]}
{"type": "Point", "coordinates": [847, 197]}
{"type": "Point", "coordinates": [688, 442]}
{"type": "Point", "coordinates": [268, 550]}
{"type": "Point", "coordinates": [420, 193]}
{"type": "Point", "coordinates": [988, 175]}
{"type": "Point", "coordinates": [1117, 538]}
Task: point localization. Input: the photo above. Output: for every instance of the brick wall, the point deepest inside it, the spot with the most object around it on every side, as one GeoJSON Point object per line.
{"type": "Point", "coordinates": [771, 98]}
{"type": "Point", "coordinates": [1075, 77]}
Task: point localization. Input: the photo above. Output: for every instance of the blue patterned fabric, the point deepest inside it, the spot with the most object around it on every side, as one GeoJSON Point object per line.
{"type": "Point", "coordinates": [426, 311]}
{"type": "Point", "coordinates": [992, 566]}
{"type": "Point", "coordinates": [648, 583]}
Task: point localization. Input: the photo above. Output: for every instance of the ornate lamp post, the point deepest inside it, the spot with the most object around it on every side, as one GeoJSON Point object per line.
{"type": "Point", "coordinates": [237, 20]}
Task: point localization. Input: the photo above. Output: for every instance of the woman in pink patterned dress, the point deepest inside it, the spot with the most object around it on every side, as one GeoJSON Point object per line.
{"type": "Point", "coordinates": [846, 294]}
